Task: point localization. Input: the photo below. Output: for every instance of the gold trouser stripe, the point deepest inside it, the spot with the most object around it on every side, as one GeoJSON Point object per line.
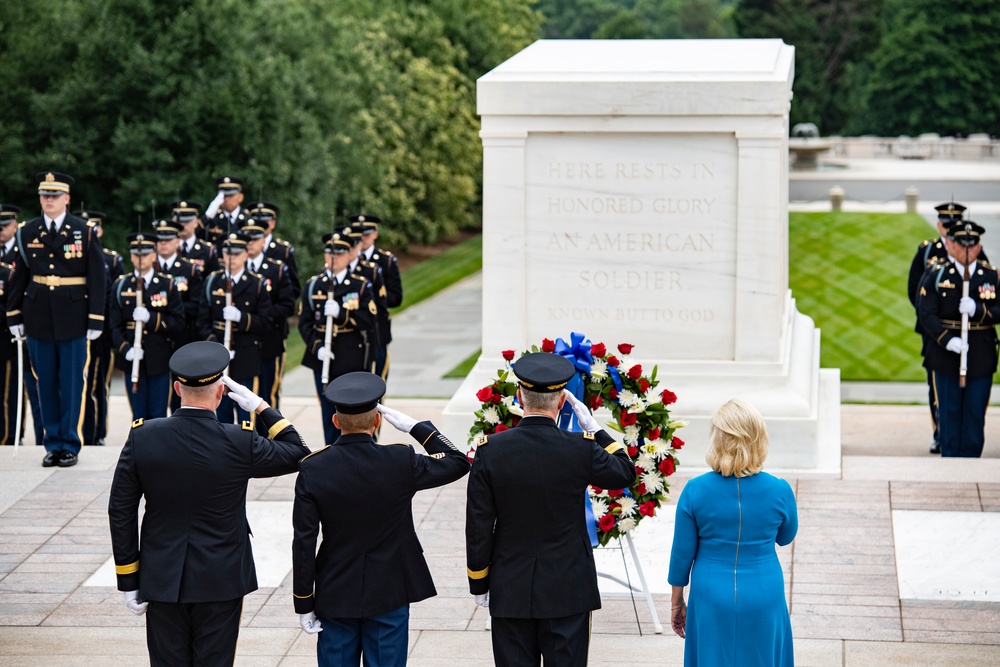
{"type": "Point", "coordinates": [280, 426]}
{"type": "Point", "coordinates": [279, 370]}
{"type": "Point", "coordinates": [613, 447]}
{"type": "Point", "coordinates": [477, 574]}
{"type": "Point", "coordinates": [256, 390]}
{"type": "Point", "coordinates": [131, 568]}
{"type": "Point", "coordinates": [385, 367]}
{"type": "Point", "coordinates": [8, 409]}
{"type": "Point", "coordinates": [83, 397]}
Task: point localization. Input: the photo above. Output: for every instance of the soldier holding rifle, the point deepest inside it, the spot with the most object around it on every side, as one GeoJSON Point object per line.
{"type": "Point", "coordinates": [337, 309]}
{"type": "Point", "coordinates": [393, 290]}
{"type": "Point", "coordinates": [958, 310]}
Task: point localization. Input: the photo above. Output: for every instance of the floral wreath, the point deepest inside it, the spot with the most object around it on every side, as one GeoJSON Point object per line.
{"type": "Point", "coordinates": [640, 413]}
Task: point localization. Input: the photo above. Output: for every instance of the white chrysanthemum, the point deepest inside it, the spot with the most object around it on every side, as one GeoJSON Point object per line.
{"type": "Point", "coordinates": [626, 525]}
{"type": "Point", "coordinates": [599, 370]}
{"type": "Point", "coordinates": [624, 362]}
{"type": "Point", "coordinates": [660, 448]}
{"type": "Point", "coordinates": [626, 398]}
{"type": "Point", "coordinates": [653, 481]}
{"type": "Point", "coordinates": [599, 506]}
{"type": "Point", "coordinates": [490, 415]}
{"type": "Point", "coordinates": [508, 401]}
{"type": "Point", "coordinates": [631, 435]}
{"type": "Point", "coordinates": [646, 462]}
{"type": "Point", "coordinates": [676, 423]}
{"type": "Point", "coordinates": [628, 505]}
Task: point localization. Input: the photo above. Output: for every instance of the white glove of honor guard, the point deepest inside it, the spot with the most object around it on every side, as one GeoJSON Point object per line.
{"type": "Point", "coordinates": [17, 331]}
{"type": "Point", "coordinates": [967, 306]}
{"type": "Point", "coordinates": [140, 314]}
{"type": "Point", "coordinates": [331, 309]}
{"type": "Point", "coordinates": [93, 334]}
{"type": "Point", "coordinates": [322, 353]}
{"type": "Point", "coordinates": [397, 418]}
{"type": "Point", "coordinates": [310, 623]}
{"type": "Point", "coordinates": [134, 604]}
{"type": "Point", "coordinates": [242, 396]}
{"type": "Point", "coordinates": [232, 354]}
{"type": "Point", "coordinates": [956, 345]}
{"type": "Point", "coordinates": [135, 353]}
{"type": "Point", "coordinates": [231, 314]}
{"type": "Point", "coordinates": [483, 600]}
{"type": "Point", "coordinates": [587, 421]}
{"type": "Point", "coordinates": [213, 207]}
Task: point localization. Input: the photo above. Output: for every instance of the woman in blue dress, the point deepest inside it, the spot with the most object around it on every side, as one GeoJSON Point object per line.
{"type": "Point", "coordinates": [727, 524]}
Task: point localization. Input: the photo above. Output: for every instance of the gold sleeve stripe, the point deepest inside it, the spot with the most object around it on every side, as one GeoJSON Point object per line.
{"type": "Point", "coordinates": [478, 574]}
{"type": "Point", "coordinates": [278, 428]}
{"type": "Point", "coordinates": [613, 447]}
{"type": "Point", "coordinates": [302, 597]}
{"type": "Point", "coordinates": [131, 568]}
{"type": "Point", "coordinates": [428, 438]}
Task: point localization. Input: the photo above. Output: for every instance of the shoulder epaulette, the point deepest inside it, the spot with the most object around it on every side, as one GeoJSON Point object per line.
{"type": "Point", "coordinates": [589, 435]}
{"type": "Point", "coordinates": [247, 426]}
{"type": "Point", "coordinates": [322, 449]}
{"type": "Point", "coordinates": [22, 224]}
{"type": "Point", "coordinates": [988, 266]}
{"type": "Point", "coordinates": [482, 440]}
{"type": "Point", "coordinates": [926, 243]}
{"type": "Point", "coordinates": [137, 423]}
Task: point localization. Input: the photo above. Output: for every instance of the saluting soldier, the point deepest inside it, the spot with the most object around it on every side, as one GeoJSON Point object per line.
{"type": "Point", "coordinates": [99, 371]}
{"type": "Point", "coordinates": [535, 569]}
{"type": "Point", "coordinates": [161, 316]}
{"type": "Point", "coordinates": [191, 248]}
{"type": "Point", "coordinates": [196, 561]}
{"type": "Point", "coordinates": [347, 300]}
{"type": "Point", "coordinates": [275, 248]}
{"type": "Point", "coordinates": [962, 401]}
{"type": "Point", "coordinates": [278, 283]}
{"type": "Point", "coordinates": [225, 213]}
{"type": "Point", "coordinates": [63, 277]}
{"type": "Point", "coordinates": [358, 588]}
{"type": "Point", "coordinates": [8, 228]}
{"type": "Point", "coordinates": [248, 318]}
{"type": "Point", "coordinates": [393, 296]}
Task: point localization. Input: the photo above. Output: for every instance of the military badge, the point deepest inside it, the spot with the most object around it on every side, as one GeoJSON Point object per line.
{"type": "Point", "coordinates": [987, 292]}
{"type": "Point", "coordinates": [947, 284]}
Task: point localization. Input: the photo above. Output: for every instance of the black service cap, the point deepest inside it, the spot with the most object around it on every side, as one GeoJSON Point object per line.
{"type": "Point", "coordinates": [966, 232]}
{"type": "Point", "coordinates": [166, 229]}
{"type": "Point", "coordinates": [543, 372]}
{"type": "Point", "coordinates": [53, 183]}
{"type": "Point", "coordinates": [200, 363]}
{"type": "Point", "coordinates": [357, 392]}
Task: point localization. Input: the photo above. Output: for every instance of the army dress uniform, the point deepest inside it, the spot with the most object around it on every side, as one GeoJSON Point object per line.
{"type": "Point", "coordinates": [366, 574]}
{"type": "Point", "coordinates": [961, 411]}
{"type": "Point", "coordinates": [193, 560]}
{"type": "Point", "coordinates": [393, 291]}
{"type": "Point", "coordinates": [348, 340]}
{"type": "Point", "coordinates": [275, 248]}
{"type": "Point", "coordinates": [8, 357]}
{"type": "Point", "coordinates": [526, 539]}
{"type": "Point", "coordinates": [193, 249]}
{"type": "Point", "coordinates": [57, 291]}
{"type": "Point", "coordinates": [219, 226]}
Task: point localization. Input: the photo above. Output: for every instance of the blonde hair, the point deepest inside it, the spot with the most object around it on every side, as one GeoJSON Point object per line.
{"type": "Point", "coordinates": [357, 423]}
{"type": "Point", "coordinates": [737, 440]}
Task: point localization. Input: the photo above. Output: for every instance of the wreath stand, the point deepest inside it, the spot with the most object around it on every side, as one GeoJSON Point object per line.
{"type": "Point", "coordinates": [632, 590]}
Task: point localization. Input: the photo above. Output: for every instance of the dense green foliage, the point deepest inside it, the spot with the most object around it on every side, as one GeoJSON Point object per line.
{"type": "Point", "coordinates": [636, 19]}
{"type": "Point", "coordinates": [325, 106]}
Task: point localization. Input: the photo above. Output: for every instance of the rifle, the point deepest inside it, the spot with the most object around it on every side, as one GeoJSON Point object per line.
{"type": "Point", "coordinates": [963, 364]}
{"type": "Point", "coordinates": [329, 334]}
{"type": "Point", "coordinates": [227, 338]}
{"type": "Point", "coordinates": [137, 340]}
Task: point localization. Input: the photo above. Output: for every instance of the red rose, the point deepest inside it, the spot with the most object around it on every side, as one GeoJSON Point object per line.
{"type": "Point", "coordinates": [668, 397]}
{"type": "Point", "coordinates": [515, 420]}
{"type": "Point", "coordinates": [639, 472]}
{"type": "Point", "coordinates": [485, 394]}
{"type": "Point", "coordinates": [640, 490]}
{"type": "Point", "coordinates": [613, 361]}
{"type": "Point", "coordinates": [677, 443]}
{"type": "Point", "coordinates": [635, 372]}
{"type": "Point", "coordinates": [628, 419]}
{"type": "Point", "coordinates": [548, 345]}
{"type": "Point", "coordinates": [617, 493]}
{"type": "Point", "coordinates": [471, 454]}
{"type": "Point", "coordinates": [643, 386]}
{"type": "Point", "coordinates": [647, 508]}
{"type": "Point", "coordinates": [667, 466]}
{"type": "Point", "coordinates": [613, 394]}
{"type": "Point", "coordinates": [508, 354]}
{"type": "Point", "coordinates": [606, 523]}
{"type": "Point", "coordinates": [598, 350]}
{"type": "Point", "coordinates": [625, 348]}
{"type": "Point", "coordinates": [633, 451]}
{"type": "Point", "coordinates": [501, 428]}
{"type": "Point", "coordinates": [596, 401]}
{"type": "Point", "coordinates": [496, 398]}
{"type": "Point", "coordinates": [597, 489]}
{"type": "Point", "coordinates": [654, 433]}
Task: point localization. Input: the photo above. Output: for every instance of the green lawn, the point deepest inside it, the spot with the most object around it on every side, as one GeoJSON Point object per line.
{"type": "Point", "coordinates": [848, 272]}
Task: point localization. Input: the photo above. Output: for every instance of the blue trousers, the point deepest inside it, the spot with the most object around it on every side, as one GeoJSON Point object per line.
{"type": "Point", "coordinates": [61, 369]}
{"type": "Point", "coordinates": [271, 372]}
{"type": "Point", "coordinates": [31, 387]}
{"type": "Point", "coordinates": [962, 414]}
{"type": "Point", "coordinates": [95, 418]}
{"type": "Point", "coordinates": [330, 432]}
{"type": "Point", "coordinates": [381, 640]}
{"type": "Point", "coordinates": [152, 397]}
{"type": "Point", "coordinates": [932, 401]}
{"type": "Point", "coordinates": [382, 361]}
{"type": "Point", "coordinates": [227, 407]}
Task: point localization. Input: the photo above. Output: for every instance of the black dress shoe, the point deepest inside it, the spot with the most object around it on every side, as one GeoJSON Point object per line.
{"type": "Point", "coordinates": [67, 460]}
{"type": "Point", "coordinates": [99, 442]}
{"type": "Point", "coordinates": [936, 448]}
{"type": "Point", "coordinates": [51, 459]}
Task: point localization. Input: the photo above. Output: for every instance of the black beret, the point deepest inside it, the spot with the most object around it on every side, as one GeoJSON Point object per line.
{"type": "Point", "coordinates": [200, 363]}
{"type": "Point", "coordinates": [355, 393]}
{"type": "Point", "coordinates": [543, 372]}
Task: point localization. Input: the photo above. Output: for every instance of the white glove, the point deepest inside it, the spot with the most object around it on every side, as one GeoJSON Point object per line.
{"type": "Point", "coordinates": [242, 396]}
{"type": "Point", "coordinates": [956, 345]}
{"type": "Point", "coordinates": [231, 313]}
{"type": "Point", "coordinates": [402, 422]}
{"type": "Point", "coordinates": [322, 353]}
{"type": "Point", "coordinates": [331, 309]}
{"type": "Point", "coordinates": [583, 415]}
{"type": "Point", "coordinates": [93, 334]}
{"type": "Point", "coordinates": [967, 306]}
{"type": "Point", "coordinates": [483, 600]}
{"type": "Point", "coordinates": [134, 604]}
{"type": "Point", "coordinates": [140, 314]}
{"type": "Point", "coordinates": [213, 208]}
{"type": "Point", "coordinates": [17, 331]}
{"type": "Point", "coordinates": [310, 623]}
{"type": "Point", "coordinates": [134, 353]}
{"type": "Point", "coordinates": [232, 354]}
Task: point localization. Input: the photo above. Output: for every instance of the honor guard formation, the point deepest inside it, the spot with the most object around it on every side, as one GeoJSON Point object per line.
{"type": "Point", "coordinates": [77, 311]}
